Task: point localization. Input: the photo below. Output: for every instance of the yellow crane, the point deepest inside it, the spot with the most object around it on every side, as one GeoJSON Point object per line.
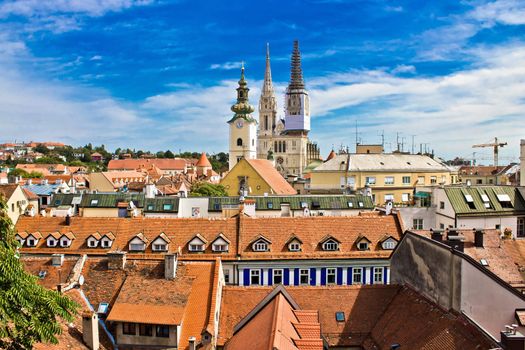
{"type": "Point", "coordinates": [496, 146]}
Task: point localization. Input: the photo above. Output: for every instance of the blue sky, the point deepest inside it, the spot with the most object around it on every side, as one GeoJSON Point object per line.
{"type": "Point", "coordinates": [161, 74]}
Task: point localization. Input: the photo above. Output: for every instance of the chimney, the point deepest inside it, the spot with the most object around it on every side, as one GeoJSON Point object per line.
{"type": "Point", "coordinates": [57, 259]}
{"type": "Point", "coordinates": [170, 266]}
{"type": "Point", "coordinates": [68, 220]}
{"type": "Point", "coordinates": [90, 330]}
{"type": "Point", "coordinates": [522, 163]}
{"type": "Point", "coordinates": [192, 343]}
{"type": "Point", "coordinates": [512, 340]}
{"type": "Point", "coordinates": [116, 260]}
{"type": "Point", "coordinates": [437, 235]}
{"type": "Point", "coordinates": [478, 238]}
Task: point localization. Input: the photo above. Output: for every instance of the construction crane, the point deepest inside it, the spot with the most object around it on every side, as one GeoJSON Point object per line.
{"type": "Point", "coordinates": [496, 146]}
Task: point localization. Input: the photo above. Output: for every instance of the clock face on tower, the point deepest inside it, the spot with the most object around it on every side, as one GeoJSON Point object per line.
{"type": "Point", "coordinates": [239, 124]}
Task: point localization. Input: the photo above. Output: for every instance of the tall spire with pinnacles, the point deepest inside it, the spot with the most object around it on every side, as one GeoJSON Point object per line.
{"type": "Point", "coordinates": [267, 102]}
{"type": "Point", "coordinates": [297, 102]}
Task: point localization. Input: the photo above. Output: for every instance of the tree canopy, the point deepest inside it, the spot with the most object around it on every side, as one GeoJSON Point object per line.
{"type": "Point", "coordinates": [204, 189]}
{"type": "Point", "coordinates": [25, 174]}
{"type": "Point", "coordinates": [29, 313]}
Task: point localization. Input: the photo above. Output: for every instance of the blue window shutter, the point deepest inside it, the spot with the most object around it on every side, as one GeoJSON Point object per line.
{"type": "Point", "coordinates": [286, 273]}
{"type": "Point", "coordinates": [385, 269]}
{"type": "Point", "coordinates": [339, 276]}
{"type": "Point", "coordinates": [246, 273]}
{"type": "Point", "coordinates": [261, 277]}
{"type": "Point", "coordinates": [371, 275]}
{"type": "Point", "coordinates": [323, 276]}
{"type": "Point", "coordinates": [270, 277]}
{"type": "Point", "coordinates": [296, 277]}
{"type": "Point", "coordinates": [349, 276]}
{"type": "Point", "coordinates": [312, 276]}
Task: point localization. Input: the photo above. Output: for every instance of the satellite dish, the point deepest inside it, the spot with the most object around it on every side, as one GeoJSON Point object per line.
{"type": "Point", "coordinates": [81, 280]}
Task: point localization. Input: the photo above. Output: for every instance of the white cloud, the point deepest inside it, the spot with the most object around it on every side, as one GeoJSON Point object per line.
{"type": "Point", "coordinates": [226, 65]}
{"type": "Point", "coordinates": [403, 68]}
{"type": "Point", "coordinates": [96, 58]}
{"type": "Point", "coordinates": [503, 11]}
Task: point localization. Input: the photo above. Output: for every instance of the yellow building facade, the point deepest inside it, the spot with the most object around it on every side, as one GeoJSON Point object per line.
{"type": "Point", "coordinates": [390, 177]}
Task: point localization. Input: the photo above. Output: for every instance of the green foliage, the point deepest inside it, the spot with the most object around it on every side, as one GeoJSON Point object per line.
{"type": "Point", "coordinates": [169, 154]}
{"type": "Point", "coordinates": [29, 313]}
{"type": "Point", "coordinates": [204, 189]}
{"type": "Point", "coordinates": [49, 160]}
{"type": "Point", "coordinates": [24, 174]}
{"type": "Point", "coordinates": [40, 148]}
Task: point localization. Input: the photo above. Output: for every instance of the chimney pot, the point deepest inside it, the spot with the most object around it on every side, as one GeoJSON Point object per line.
{"type": "Point", "coordinates": [192, 343]}
{"type": "Point", "coordinates": [68, 220]}
{"type": "Point", "coordinates": [170, 266]}
{"type": "Point", "coordinates": [90, 330]}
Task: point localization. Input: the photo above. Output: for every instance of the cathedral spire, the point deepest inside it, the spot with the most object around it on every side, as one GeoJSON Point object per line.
{"type": "Point", "coordinates": [267, 85]}
{"type": "Point", "coordinates": [296, 81]}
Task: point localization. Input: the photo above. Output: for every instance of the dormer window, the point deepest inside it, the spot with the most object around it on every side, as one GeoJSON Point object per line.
{"type": "Point", "coordinates": [294, 247]}
{"type": "Point", "coordinates": [362, 246]}
{"type": "Point", "coordinates": [363, 243]}
{"type": "Point", "coordinates": [331, 245]}
{"type": "Point", "coordinates": [31, 242]}
{"type": "Point", "coordinates": [138, 243]}
{"type": "Point", "coordinates": [260, 246]}
{"type": "Point", "coordinates": [220, 244]}
{"type": "Point", "coordinates": [51, 242]}
{"type": "Point", "coordinates": [389, 245]}
{"type": "Point", "coordinates": [92, 243]}
{"type": "Point", "coordinates": [160, 244]}
{"type": "Point", "coordinates": [350, 205]}
{"type": "Point", "coordinates": [160, 247]}
{"type": "Point", "coordinates": [197, 244]}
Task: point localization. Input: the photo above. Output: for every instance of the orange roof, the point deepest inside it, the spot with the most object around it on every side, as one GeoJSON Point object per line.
{"type": "Point", "coordinates": [203, 161]}
{"type": "Point", "coordinates": [144, 313]}
{"type": "Point", "coordinates": [133, 164]}
{"type": "Point", "coordinates": [310, 230]}
{"type": "Point", "coordinates": [271, 176]}
{"type": "Point", "coordinates": [330, 156]}
{"type": "Point", "coordinates": [7, 191]}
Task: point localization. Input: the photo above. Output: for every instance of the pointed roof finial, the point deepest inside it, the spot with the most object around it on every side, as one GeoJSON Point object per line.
{"type": "Point", "coordinates": [296, 81]}
{"type": "Point", "coordinates": [267, 84]}
{"type": "Point", "coordinates": [267, 51]}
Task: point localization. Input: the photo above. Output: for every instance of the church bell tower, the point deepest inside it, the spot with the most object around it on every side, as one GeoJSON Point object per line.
{"type": "Point", "coordinates": [243, 127]}
{"type": "Point", "coordinates": [297, 101]}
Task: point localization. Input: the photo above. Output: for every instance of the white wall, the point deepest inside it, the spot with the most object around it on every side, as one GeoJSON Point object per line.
{"type": "Point", "coordinates": [428, 214]}
{"type": "Point", "coordinates": [489, 223]}
{"type": "Point", "coordinates": [186, 206]}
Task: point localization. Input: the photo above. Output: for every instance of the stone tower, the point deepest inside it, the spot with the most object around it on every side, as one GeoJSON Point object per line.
{"type": "Point", "coordinates": [297, 101]}
{"type": "Point", "coordinates": [243, 128]}
{"type": "Point", "coordinates": [267, 102]}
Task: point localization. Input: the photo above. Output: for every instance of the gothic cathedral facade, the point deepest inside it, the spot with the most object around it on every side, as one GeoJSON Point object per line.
{"type": "Point", "coordinates": [283, 141]}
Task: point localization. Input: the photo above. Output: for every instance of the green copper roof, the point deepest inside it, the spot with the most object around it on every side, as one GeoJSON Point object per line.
{"type": "Point", "coordinates": [471, 200]}
{"type": "Point", "coordinates": [242, 108]}
{"type": "Point", "coordinates": [161, 205]}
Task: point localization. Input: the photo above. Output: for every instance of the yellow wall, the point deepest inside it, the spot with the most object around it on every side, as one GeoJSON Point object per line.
{"type": "Point", "coordinates": [256, 185]}
{"type": "Point", "coordinates": [332, 180]}
{"type": "Point", "coordinates": [99, 212]}
{"type": "Point", "coordinates": [16, 204]}
{"type": "Point", "coordinates": [98, 182]}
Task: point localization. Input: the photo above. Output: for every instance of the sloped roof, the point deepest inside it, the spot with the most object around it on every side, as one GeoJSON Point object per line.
{"type": "Point", "coordinates": [271, 176]}
{"type": "Point", "coordinates": [382, 162]}
{"type": "Point", "coordinates": [7, 190]}
{"type": "Point", "coordinates": [456, 196]}
{"type": "Point", "coordinates": [203, 161]}
{"type": "Point", "coordinates": [161, 163]}
{"type": "Point", "coordinates": [331, 155]}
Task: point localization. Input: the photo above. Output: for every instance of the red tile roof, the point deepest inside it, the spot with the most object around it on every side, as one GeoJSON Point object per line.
{"type": "Point", "coordinates": [203, 161]}
{"type": "Point", "coordinates": [133, 164]}
{"type": "Point", "coordinates": [271, 176]}
{"type": "Point", "coordinates": [310, 230]}
{"type": "Point", "coordinates": [7, 191]}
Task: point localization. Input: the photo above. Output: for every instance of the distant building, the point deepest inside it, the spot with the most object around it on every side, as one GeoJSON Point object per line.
{"type": "Point", "coordinates": [15, 200]}
{"type": "Point", "coordinates": [167, 165]}
{"type": "Point", "coordinates": [111, 181]}
{"type": "Point", "coordinates": [489, 175]}
{"type": "Point", "coordinates": [389, 177]}
{"type": "Point", "coordinates": [97, 157]}
{"type": "Point", "coordinates": [256, 177]}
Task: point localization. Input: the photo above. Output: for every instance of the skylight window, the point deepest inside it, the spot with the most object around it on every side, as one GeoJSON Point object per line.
{"type": "Point", "coordinates": [340, 316]}
{"type": "Point", "coordinates": [484, 262]}
{"type": "Point", "coordinates": [485, 198]}
{"type": "Point", "coordinates": [350, 205]}
{"type": "Point", "coordinates": [167, 206]}
{"type": "Point", "coordinates": [94, 202]}
{"type": "Point", "coordinates": [503, 197]}
{"type": "Point", "coordinates": [469, 198]}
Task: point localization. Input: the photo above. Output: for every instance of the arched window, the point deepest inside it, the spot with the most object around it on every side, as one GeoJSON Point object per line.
{"type": "Point", "coordinates": [239, 142]}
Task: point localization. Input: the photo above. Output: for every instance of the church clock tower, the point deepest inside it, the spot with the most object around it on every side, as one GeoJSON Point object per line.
{"type": "Point", "coordinates": [243, 127]}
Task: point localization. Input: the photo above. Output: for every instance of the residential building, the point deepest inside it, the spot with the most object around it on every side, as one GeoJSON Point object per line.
{"type": "Point", "coordinates": [15, 199]}
{"type": "Point", "coordinates": [255, 177]}
{"type": "Point", "coordinates": [455, 281]}
{"type": "Point", "coordinates": [97, 157]}
{"type": "Point", "coordinates": [45, 190]}
{"type": "Point", "coordinates": [313, 251]}
{"type": "Point", "coordinates": [497, 207]}
{"type": "Point", "coordinates": [286, 141]}
{"type": "Point", "coordinates": [169, 166]}
{"type": "Point", "coordinates": [112, 181]}
{"type": "Point", "coordinates": [205, 172]}
{"type": "Point", "coordinates": [389, 177]}
{"type": "Point", "coordinates": [489, 175]}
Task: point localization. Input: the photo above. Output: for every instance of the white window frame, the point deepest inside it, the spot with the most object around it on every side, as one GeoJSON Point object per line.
{"type": "Point", "coordinates": [196, 247]}
{"type": "Point", "coordinates": [255, 273]}
{"type": "Point", "coordinates": [294, 247]}
{"type": "Point", "coordinates": [64, 243]}
{"type": "Point", "coordinates": [331, 272]}
{"type": "Point", "coordinates": [331, 245]}
{"type": "Point", "coordinates": [131, 245]}
{"type": "Point", "coordinates": [220, 248]}
{"type": "Point", "coordinates": [420, 180]}
{"type": "Point", "coordinates": [92, 243]}
{"type": "Point", "coordinates": [365, 247]}
{"type": "Point", "coordinates": [406, 180]}
{"type": "Point", "coordinates": [304, 273]}
{"type": "Point", "coordinates": [370, 180]}
{"type": "Point", "coordinates": [260, 246]}
{"type": "Point", "coordinates": [226, 273]}
{"type": "Point", "coordinates": [389, 245]}
{"type": "Point", "coordinates": [160, 247]}
{"type": "Point", "coordinates": [52, 242]}
{"type": "Point", "coordinates": [281, 275]}
{"type": "Point", "coordinates": [355, 273]}
{"type": "Point", "coordinates": [405, 197]}
{"type": "Point", "coordinates": [106, 243]}
{"type": "Point", "coordinates": [389, 180]}
{"type": "Point", "coordinates": [378, 272]}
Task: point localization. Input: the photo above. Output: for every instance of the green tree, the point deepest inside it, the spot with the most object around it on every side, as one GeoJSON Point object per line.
{"type": "Point", "coordinates": [205, 189]}
{"type": "Point", "coordinates": [169, 154]}
{"type": "Point", "coordinates": [25, 174]}
{"type": "Point", "coordinates": [29, 313]}
{"type": "Point", "coordinates": [40, 148]}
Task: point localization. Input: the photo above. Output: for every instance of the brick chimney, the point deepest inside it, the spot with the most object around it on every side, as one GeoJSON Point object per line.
{"type": "Point", "coordinates": [116, 260]}
{"type": "Point", "coordinates": [170, 266]}
{"type": "Point", "coordinates": [68, 220]}
{"type": "Point", "coordinates": [90, 330]}
{"type": "Point", "coordinates": [57, 259]}
{"type": "Point", "coordinates": [437, 235]}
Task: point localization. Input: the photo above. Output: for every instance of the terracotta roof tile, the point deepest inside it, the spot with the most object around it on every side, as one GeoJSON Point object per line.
{"type": "Point", "coordinates": [133, 164]}
{"type": "Point", "coordinates": [271, 176]}
{"type": "Point", "coordinates": [203, 161]}
{"type": "Point", "coordinates": [7, 191]}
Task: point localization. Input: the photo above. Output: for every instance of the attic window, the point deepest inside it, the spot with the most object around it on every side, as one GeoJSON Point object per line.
{"type": "Point", "coordinates": [340, 316]}
{"type": "Point", "coordinates": [196, 247]}
{"type": "Point", "coordinates": [167, 207]}
{"type": "Point", "coordinates": [350, 205]}
{"type": "Point", "coordinates": [484, 262]}
{"type": "Point", "coordinates": [42, 274]}
{"type": "Point", "coordinates": [330, 245]}
{"type": "Point", "coordinates": [269, 205]}
{"type": "Point", "coordinates": [389, 245]}
{"type": "Point", "coordinates": [260, 246]}
{"type": "Point", "coordinates": [470, 201]}
{"type": "Point", "coordinates": [94, 202]}
{"type": "Point", "coordinates": [316, 205]}
{"type": "Point", "coordinates": [150, 206]}
{"type": "Point", "coordinates": [304, 205]}
{"type": "Point", "coordinates": [504, 200]}
{"type": "Point", "coordinates": [361, 204]}
{"type": "Point", "coordinates": [294, 247]}
{"type": "Point", "coordinates": [362, 246]}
